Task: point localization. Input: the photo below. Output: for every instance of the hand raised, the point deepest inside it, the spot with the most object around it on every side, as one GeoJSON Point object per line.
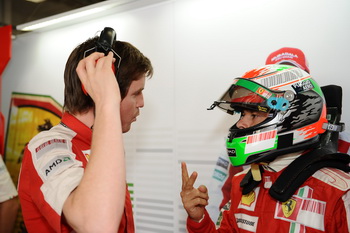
{"type": "Point", "coordinates": [96, 75]}
{"type": "Point", "coordinates": [194, 200]}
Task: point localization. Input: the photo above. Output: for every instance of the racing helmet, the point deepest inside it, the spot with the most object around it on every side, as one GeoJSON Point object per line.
{"type": "Point", "coordinates": [294, 105]}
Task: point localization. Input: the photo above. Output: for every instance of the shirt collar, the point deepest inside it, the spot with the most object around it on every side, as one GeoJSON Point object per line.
{"type": "Point", "coordinates": [84, 133]}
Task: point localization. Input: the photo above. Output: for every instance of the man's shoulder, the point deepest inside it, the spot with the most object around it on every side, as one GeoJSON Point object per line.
{"type": "Point", "coordinates": [57, 138]}
{"type": "Point", "coordinates": [57, 132]}
{"type": "Point", "coordinates": [334, 178]}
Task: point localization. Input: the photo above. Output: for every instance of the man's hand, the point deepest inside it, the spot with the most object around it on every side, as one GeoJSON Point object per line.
{"type": "Point", "coordinates": [194, 200]}
{"type": "Point", "coordinates": [97, 77]}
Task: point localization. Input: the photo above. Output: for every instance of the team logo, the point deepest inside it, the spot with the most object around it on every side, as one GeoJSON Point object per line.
{"type": "Point", "coordinates": [261, 91]}
{"type": "Point", "coordinates": [288, 207]}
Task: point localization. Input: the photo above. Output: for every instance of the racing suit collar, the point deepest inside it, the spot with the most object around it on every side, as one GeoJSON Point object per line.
{"type": "Point", "coordinates": [282, 162]}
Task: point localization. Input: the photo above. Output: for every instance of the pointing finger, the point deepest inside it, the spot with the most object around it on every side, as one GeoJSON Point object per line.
{"type": "Point", "coordinates": [184, 174]}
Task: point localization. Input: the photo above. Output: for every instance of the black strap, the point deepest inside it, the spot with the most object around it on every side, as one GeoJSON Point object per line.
{"type": "Point", "coordinates": [304, 167]}
{"type": "Point", "coordinates": [298, 172]}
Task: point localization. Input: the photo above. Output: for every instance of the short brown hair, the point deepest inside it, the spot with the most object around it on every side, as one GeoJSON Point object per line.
{"type": "Point", "coordinates": [133, 64]}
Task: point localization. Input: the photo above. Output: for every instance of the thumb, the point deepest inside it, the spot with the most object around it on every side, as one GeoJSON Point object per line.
{"type": "Point", "coordinates": [203, 189]}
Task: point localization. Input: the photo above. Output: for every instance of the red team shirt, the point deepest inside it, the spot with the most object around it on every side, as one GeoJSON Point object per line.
{"type": "Point", "coordinates": [52, 167]}
{"type": "Point", "coordinates": [321, 204]}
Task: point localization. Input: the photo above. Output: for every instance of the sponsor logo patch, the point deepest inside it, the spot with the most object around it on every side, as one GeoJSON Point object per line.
{"type": "Point", "coordinates": [50, 145]}
{"type": "Point", "coordinates": [222, 163]}
{"type": "Point", "coordinates": [246, 222]}
{"type": "Point", "coordinates": [248, 201]}
{"type": "Point", "coordinates": [261, 141]}
{"type": "Point", "coordinates": [303, 86]}
{"type": "Point", "coordinates": [262, 136]}
{"type": "Point", "coordinates": [281, 78]}
{"type": "Point", "coordinates": [55, 164]}
{"type": "Point", "coordinates": [219, 175]}
{"type": "Point", "coordinates": [226, 207]}
{"type": "Point", "coordinates": [231, 152]}
{"type": "Point", "coordinates": [262, 109]}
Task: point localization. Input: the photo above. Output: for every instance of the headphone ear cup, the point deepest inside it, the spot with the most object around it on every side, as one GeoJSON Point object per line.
{"type": "Point", "coordinates": [83, 88]}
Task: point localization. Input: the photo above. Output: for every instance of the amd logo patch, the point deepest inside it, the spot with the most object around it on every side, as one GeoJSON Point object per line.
{"type": "Point", "coordinates": [56, 163]}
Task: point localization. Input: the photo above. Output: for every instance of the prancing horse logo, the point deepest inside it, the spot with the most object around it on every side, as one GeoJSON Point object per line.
{"type": "Point", "coordinates": [288, 207]}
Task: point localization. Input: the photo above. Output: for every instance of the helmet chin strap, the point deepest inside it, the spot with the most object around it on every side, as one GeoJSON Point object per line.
{"type": "Point", "coordinates": [256, 173]}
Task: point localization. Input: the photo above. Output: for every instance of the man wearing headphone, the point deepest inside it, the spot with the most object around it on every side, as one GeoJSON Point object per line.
{"type": "Point", "coordinates": [73, 176]}
{"type": "Point", "coordinates": [296, 182]}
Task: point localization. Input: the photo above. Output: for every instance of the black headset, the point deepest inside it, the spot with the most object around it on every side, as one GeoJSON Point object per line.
{"type": "Point", "coordinates": [105, 43]}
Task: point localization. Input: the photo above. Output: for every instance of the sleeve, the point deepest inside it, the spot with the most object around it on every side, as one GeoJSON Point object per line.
{"type": "Point", "coordinates": [227, 225]}
{"type": "Point", "coordinates": [342, 214]}
{"type": "Point", "coordinates": [49, 173]}
{"type": "Point", "coordinates": [206, 225]}
{"type": "Point", "coordinates": [7, 187]}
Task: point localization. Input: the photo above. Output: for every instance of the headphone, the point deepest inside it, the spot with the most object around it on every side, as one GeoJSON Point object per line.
{"type": "Point", "coordinates": [105, 45]}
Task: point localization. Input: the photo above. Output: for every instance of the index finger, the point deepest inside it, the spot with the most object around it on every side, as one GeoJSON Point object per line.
{"type": "Point", "coordinates": [105, 60]}
{"type": "Point", "coordinates": [184, 174]}
{"type": "Point", "coordinates": [90, 61]}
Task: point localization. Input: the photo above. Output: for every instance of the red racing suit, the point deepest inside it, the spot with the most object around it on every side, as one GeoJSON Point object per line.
{"type": "Point", "coordinates": [230, 171]}
{"type": "Point", "coordinates": [52, 167]}
{"type": "Point", "coordinates": [321, 204]}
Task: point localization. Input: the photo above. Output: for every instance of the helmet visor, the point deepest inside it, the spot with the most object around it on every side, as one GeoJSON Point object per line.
{"type": "Point", "coordinates": [237, 98]}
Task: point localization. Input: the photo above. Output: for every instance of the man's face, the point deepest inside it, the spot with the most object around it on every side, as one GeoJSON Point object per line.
{"type": "Point", "coordinates": [129, 107]}
{"type": "Point", "coordinates": [250, 118]}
